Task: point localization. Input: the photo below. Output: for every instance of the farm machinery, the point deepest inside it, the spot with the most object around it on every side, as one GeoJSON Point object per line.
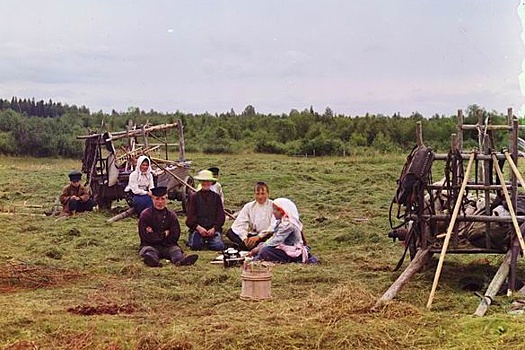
{"type": "Point", "coordinates": [109, 158]}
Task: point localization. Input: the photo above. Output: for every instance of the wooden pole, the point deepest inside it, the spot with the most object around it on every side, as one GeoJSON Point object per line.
{"type": "Point", "coordinates": [182, 154]}
{"type": "Point", "coordinates": [415, 265]}
{"type": "Point", "coordinates": [449, 230]}
{"type": "Point", "coordinates": [123, 215]}
{"type": "Point", "coordinates": [509, 204]}
{"type": "Point", "coordinates": [419, 134]}
{"type": "Point", "coordinates": [459, 129]}
{"type": "Point", "coordinates": [515, 169]}
{"type": "Point", "coordinates": [494, 286]}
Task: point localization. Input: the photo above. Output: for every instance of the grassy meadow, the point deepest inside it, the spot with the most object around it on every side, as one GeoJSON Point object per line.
{"type": "Point", "coordinates": [79, 283]}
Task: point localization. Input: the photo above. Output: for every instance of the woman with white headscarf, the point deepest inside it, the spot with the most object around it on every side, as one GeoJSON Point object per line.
{"type": "Point", "coordinates": [286, 244]}
{"type": "Point", "coordinates": [140, 184]}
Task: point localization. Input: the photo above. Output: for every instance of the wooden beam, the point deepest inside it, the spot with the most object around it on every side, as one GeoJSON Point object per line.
{"type": "Point", "coordinates": [415, 265]}
{"type": "Point", "coordinates": [494, 286]}
{"type": "Point", "coordinates": [133, 132]}
{"type": "Point", "coordinates": [449, 230]}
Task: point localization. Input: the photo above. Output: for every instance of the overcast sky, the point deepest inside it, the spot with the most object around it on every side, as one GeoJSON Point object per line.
{"type": "Point", "coordinates": [355, 56]}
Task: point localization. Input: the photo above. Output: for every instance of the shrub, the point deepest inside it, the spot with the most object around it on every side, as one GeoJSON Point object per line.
{"type": "Point", "coordinates": [269, 146]}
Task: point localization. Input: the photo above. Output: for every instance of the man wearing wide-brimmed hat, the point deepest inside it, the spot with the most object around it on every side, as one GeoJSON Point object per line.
{"type": "Point", "coordinates": [75, 197]}
{"type": "Point", "coordinates": [159, 232]}
{"type": "Point", "coordinates": [205, 215]}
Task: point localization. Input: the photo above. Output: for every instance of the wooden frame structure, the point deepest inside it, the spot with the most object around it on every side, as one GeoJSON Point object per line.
{"type": "Point", "coordinates": [459, 182]}
{"type": "Point", "coordinates": [108, 169]}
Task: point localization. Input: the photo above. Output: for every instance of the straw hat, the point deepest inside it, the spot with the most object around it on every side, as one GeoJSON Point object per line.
{"type": "Point", "coordinates": [205, 175]}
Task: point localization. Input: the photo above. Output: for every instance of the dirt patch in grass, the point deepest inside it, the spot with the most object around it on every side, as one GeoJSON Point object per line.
{"type": "Point", "coordinates": [19, 276]}
{"type": "Point", "coordinates": [108, 309]}
{"type": "Point", "coordinates": [153, 342]}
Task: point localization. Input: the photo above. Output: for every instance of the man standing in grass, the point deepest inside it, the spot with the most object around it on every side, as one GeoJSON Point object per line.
{"type": "Point", "coordinates": [159, 232]}
{"type": "Point", "coordinates": [75, 197]}
{"type": "Point", "coordinates": [205, 215]}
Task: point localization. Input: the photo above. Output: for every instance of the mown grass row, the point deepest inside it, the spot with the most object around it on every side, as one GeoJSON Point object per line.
{"type": "Point", "coordinates": [49, 268]}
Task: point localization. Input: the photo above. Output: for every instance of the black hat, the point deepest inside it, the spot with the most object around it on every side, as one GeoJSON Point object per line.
{"type": "Point", "coordinates": [159, 191]}
{"type": "Point", "coordinates": [75, 175]}
{"type": "Point", "coordinates": [214, 170]}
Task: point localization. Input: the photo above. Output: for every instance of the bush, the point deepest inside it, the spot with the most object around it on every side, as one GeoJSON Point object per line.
{"type": "Point", "coordinates": [321, 146]}
{"type": "Point", "coordinates": [7, 143]}
{"type": "Point", "coordinates": [266, 146]}
{"type": "Point", "coordinates": [218, 148]}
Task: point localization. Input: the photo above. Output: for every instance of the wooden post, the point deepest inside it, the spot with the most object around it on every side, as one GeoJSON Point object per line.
{"type": "Point", "coordinates": [510, 116]}
{"type": "Point", "coordinates": [459, 129]}
{"type": "Point", "coordinates": [415, 265]}
{"type": "Point", "coordinates": [182, 155]}
{"type": "Point", "coordinates": [514, 132]}
{"type": "Point", "coordinates": [449, 230]}
{"type": "Point", "coordinates": [419, 134]}
{"type": "Point", "coordinates": [487, 180]}
{"type": "Point", "coordinates": [456, 163]}
{"type": "Point", "coordinates": [144, 136]}
{"type": "Point", "coordinates": [494, 286]}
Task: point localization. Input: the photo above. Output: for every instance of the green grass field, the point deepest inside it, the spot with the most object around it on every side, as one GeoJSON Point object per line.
{"type": "Point", "coordinates": [79, 283]}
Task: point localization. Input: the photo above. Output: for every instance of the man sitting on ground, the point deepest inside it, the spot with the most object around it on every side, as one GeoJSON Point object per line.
{"type": "Point", "coordinates": [75, 197]}
{"type": "Point", "coordinates": [159, 232]}
{"type": "Point", "coordinates": [216, 185]}
{"type": "Point", "coordinates": [205, 215]}
{"type": "Point", "coordinates": [255, 221]}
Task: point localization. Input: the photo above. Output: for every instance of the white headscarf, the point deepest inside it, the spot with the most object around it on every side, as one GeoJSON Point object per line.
{"type": "Point", "coordinates": [291, 213]}
{"type": "Point", "coordinates": [140, 161]}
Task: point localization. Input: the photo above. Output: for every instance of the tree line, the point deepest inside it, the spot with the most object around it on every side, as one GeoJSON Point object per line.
{"type": "Point", "coordinates": [49, 129]}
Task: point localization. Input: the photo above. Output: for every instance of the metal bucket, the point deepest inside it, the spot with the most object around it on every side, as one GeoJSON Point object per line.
{"type": "Point", "coordinates": [256, 282]}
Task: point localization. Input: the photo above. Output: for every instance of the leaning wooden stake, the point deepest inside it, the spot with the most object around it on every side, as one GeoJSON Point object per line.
{"type": "Point", "coordinates": [494, 286]}
{"type": "Point", "coordinates": [509, 203]}
{"type": "Point", "coordinates": [515, 169]}
{"type": "Point", "coordinates": [415, 265]}
{"type": "Point", "coordinates": [123, 215]}
{"type": "Point", "coordinates": [450, 229]}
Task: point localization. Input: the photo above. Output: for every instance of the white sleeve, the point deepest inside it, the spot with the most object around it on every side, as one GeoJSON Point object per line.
{"type": "Point", "coordinates": [133, 184]}
{"type": "Point", "coordinates": [242, 223]}
{"type": "Point", "coordinates": [269, 230]}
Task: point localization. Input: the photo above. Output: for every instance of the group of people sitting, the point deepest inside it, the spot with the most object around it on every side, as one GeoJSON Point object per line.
{"type": "Point", "coordinates": [269, 230]}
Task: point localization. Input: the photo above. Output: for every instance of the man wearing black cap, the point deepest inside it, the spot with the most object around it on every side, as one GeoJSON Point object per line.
{"type": "Point", "coordinates": [75, 196]}
{"type": "Point", "coordinates": [159, 232]}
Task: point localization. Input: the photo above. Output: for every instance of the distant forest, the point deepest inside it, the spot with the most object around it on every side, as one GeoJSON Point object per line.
{"type": "Point", "coordinates": [49, 129]}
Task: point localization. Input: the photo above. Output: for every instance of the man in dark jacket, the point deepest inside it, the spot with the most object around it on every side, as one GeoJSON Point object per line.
{"type": "Point", "coordinates": [159, 232]}
{"type": "Point", "coordinates": [75, 197]}
{"type": "Point", "coordinates": [205, 215]}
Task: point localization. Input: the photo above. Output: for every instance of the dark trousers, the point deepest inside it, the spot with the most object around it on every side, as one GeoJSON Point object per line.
{"type": "Point", "coordinates": [197, 242]}
{"type": "Point", "coordinates": [276, 255]}
{"type": "Point", "coordinates": [173, 253]}
{"type": "Point", "coordinates": [232, 236]}
{"type": "Point", "coordinates": [141, 202]}
{"type": "Point", "coordinates": [79, 206]}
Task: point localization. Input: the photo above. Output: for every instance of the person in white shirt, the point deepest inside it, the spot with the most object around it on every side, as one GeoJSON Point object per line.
{"type": "Point", "coordinates": [140, 184]}
{"type": "Point", "coordinates": [255, 221]}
